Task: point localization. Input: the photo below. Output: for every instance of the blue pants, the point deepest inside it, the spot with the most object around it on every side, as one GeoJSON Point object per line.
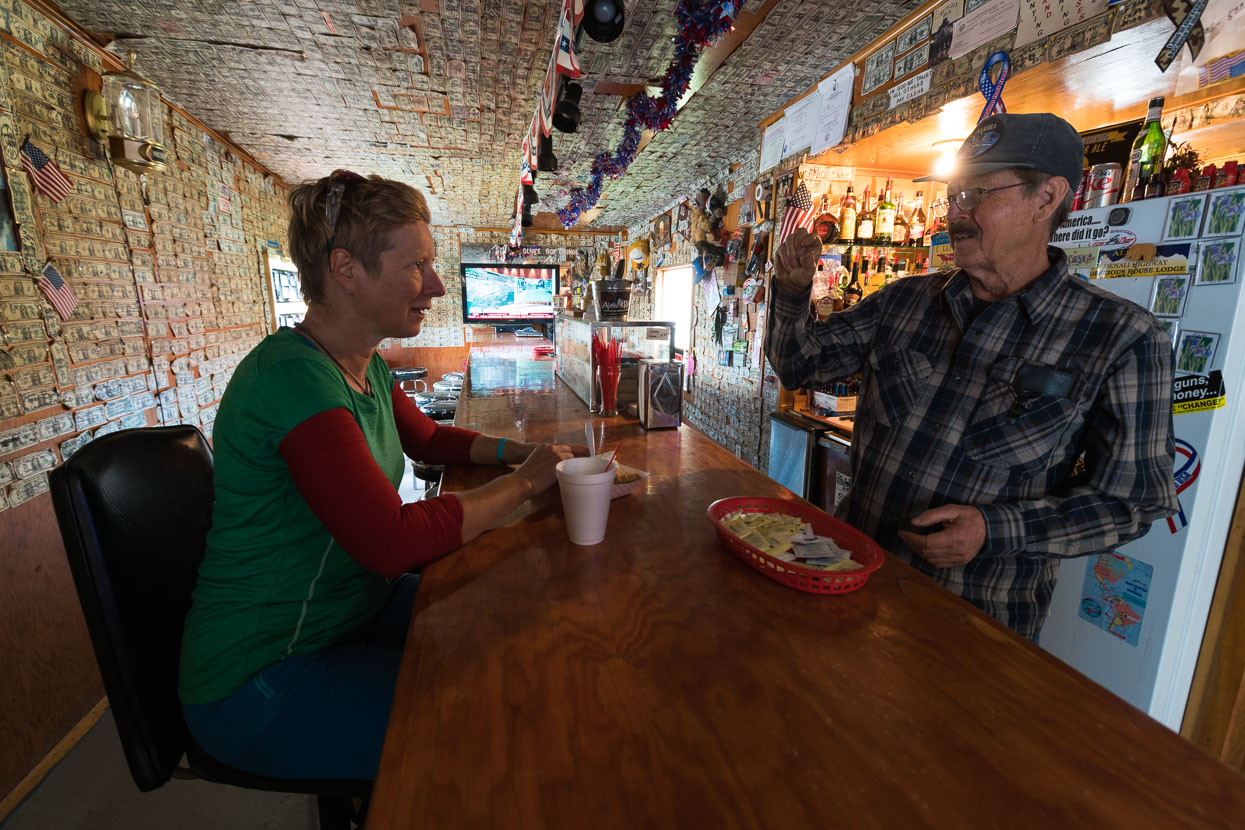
{"type": "Point", "coordinates": [321, 714]}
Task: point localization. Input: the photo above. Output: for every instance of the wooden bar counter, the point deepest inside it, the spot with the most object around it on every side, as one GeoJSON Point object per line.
{"type": "Point", "coordinates": [656, 681]}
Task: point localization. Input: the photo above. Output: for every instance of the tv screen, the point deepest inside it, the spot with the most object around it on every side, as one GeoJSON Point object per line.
{"type": "Point", "coordinates": [494, 293]}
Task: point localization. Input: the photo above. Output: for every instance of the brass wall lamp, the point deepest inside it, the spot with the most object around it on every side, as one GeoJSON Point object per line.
{"type": "Point", "coordinates": [129, 117]}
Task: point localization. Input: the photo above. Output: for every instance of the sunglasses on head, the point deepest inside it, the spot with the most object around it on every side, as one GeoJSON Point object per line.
{"type": "Point", "coordinates": [339, 182]}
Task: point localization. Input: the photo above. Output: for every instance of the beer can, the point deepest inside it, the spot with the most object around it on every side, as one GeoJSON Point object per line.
{"type": "Point", "coordinates": [1078, 201]}
{"type": "Point", "coordinates": [1105, 181]}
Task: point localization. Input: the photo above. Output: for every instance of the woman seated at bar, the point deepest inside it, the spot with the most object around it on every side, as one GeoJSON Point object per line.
{"type": "Point", "coordinates": [292, 644]}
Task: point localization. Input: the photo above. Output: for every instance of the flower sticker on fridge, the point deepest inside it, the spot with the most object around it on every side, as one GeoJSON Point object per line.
{"type": "Point", "coordinates": [1184, 217]}
{"type": "Point", "coordinates": [1169, 295]}
{"type": "Point", "coordinates": [1196, 352]}
{"type": "Point", "coordinates": [1226, 214]}
{"type": "Point", "coordinates": [1217, 261]}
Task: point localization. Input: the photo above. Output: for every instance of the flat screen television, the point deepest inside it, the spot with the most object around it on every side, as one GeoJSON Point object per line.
{"type": "Point", "coordinates": [504, 294]}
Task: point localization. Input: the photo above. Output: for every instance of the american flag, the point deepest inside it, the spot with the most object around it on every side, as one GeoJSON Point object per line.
{"type": "Point", "coordinates": [49, 179]}
{"type": "Point", "coordinates": [799, 213]}
{"type": "Point", "coordinates": [1228, 66]}
{"type": "Point", "coordinates": [58, 292]}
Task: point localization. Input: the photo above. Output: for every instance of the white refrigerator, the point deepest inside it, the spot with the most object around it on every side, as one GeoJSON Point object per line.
{"type": "Point", "coordinates": [1133, 619]}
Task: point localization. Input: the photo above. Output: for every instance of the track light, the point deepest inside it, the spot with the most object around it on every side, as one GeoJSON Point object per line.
{"type": "Point", "coordinates": [546, 161]}
{"type": "Point", "coordinates": [529, 196]}
{"type": "Point", "coordinates": [566, 114]}
{"type": "Point", "coordinates": [603, 20]}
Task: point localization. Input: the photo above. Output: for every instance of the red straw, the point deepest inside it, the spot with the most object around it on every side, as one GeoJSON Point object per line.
{"type": "Point", "coordinates": [614, 453]}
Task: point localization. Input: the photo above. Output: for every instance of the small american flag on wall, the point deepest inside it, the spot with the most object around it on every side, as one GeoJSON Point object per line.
{"type": "Point", "coordinates": [58, 292]}
{"type": "Point", "coordinates": [49, 179]}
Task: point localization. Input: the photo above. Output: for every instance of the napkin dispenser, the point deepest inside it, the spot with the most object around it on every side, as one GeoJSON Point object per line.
{"type": "Point", "coordinates": [660, 394]}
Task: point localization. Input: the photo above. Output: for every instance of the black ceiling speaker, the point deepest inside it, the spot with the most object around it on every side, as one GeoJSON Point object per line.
{"type": "Point", "coordinates": [529, 196]}
{"type": "Point", "coordinates": [527, 214]}
{"type": "Point", "coordinates": [546, 161]}
{"type": "Point", "coordinates": [603, 20]}
{"type": "Point", "coordinates": [566, 114]}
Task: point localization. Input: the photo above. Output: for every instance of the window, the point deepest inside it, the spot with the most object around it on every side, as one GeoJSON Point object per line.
{"type": "Point", "coordinates": [673, 303]}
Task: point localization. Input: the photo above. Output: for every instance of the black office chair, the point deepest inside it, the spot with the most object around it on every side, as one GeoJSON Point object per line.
{"type": "Point", "coordinates": [134, 509]}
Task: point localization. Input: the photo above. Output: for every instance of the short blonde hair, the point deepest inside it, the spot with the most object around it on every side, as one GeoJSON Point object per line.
{"type": "Point", "coordinates": [369, 209]}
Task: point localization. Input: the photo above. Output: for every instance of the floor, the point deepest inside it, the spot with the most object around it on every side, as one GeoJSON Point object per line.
{"type": "Point", "coordinates": [91, 788]}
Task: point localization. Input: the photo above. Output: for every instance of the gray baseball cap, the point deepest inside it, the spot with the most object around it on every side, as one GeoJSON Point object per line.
{"type": "Point", "coordinates": [1039, 140]}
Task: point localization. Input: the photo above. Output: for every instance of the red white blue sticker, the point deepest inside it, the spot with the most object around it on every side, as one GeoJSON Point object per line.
{"type": "Point", "coordinates": [1188, 465]}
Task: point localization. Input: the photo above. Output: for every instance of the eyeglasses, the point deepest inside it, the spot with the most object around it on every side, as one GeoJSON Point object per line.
{"type": "Point", "coordinates": [967, 200]}
{"type": "Point", "coordinates": [339, 182]}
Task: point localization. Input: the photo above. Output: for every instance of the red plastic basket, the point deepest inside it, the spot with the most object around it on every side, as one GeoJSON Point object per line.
{"type": "Point", "coordinates": [864, 550]}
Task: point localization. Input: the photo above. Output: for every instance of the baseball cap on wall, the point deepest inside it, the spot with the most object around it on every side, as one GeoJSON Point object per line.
{"type": "Point", "coordinates": [1040, 141]}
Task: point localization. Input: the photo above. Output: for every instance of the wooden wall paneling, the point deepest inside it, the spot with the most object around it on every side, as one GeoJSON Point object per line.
{"type": "Point", "coordinates": [437, 360]}
{"type": "Point", "coordinates": [50, 675]}
{"type": "Point", "coordinates": [1215, 716]}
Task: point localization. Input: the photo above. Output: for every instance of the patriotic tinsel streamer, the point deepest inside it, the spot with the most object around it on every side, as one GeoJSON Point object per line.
{"type": "Point", "coordinates": [700, 24]}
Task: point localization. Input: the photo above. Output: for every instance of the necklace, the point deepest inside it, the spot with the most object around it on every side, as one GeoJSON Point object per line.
{"type": "Point", "coordinates": [363, 384]}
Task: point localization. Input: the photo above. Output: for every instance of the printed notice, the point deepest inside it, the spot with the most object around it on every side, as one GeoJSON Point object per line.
{"type": "Point", "coordinates": [801, 119]}
{"type": "Point", "coordinates": [983, 25]}
{"type": "Point", "coordinates": [835, 93]}
{"type": "Point", "coordinates": [1115, 594]}
{"type": "Point", "coordinates": [772, 143]}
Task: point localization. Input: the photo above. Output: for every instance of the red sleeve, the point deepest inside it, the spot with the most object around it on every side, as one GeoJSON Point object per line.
{"type": "Point", "coordinates": [333, 468]}
{"type": "Point", "coordinates": [424, 439]}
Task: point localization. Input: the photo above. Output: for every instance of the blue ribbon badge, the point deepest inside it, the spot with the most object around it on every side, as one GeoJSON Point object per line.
{"type": "Point", "coordinates": [992, 90]}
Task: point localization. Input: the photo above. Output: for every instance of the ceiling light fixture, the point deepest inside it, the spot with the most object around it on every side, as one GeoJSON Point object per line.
{"type": "Point", "coordinates": [546, 161]}
{"type": "Point", "coordinates": [603, 20]}
{"type": "Point", "coordinates": [566, 115]}
{"type": "Point", "coordinates": [945, 165]}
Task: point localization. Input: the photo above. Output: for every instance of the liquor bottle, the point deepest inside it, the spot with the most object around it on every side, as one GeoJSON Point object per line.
{"type": "Point", "coordinates": [903, 233]}
{"type": "Point", "coordinates": [847, 217]}
{"type": "Point", "coordinates": [1148, 149]}
{"type": "Point", "coordinates": [864, 278]}
{"type": "Point", "coordinates": [864, 223]}
{"type": "Point", "coordinates": [916, 222]}
{"type": "Point", "coordinates": [1154, 185]}
{"type": "Point", "coordinates": [852, 292]}
{"type": "Point", "coordinates": [884, 225]}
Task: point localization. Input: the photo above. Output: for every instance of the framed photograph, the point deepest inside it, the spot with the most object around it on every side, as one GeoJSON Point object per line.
{"type": "Point", "coordinates": [1184, 216]}
{"type": "Point", "coordinates": [1195, 352]}
{"type": "Point", "coordinates": [684, 221]}
{"type": "Point", "coordinates": [1168, 297]}
{"type": "Point", "coordinates": [1226, 213]}
{"type": "Point", "coordinates": [1217, 261]}
{"type": "Point", "coordinates": [1172, 327]}
{"type": "Point", "coordinates": [782, 190]}
{"type": "Point", "coordinates": [661, 231]}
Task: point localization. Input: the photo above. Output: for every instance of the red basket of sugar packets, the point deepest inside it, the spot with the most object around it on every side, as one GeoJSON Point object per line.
{"type": "Point", "coordinates": [866, 555]}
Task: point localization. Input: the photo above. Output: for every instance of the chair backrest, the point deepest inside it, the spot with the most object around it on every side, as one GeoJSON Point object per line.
{"type": "Point", "coordinates": [134, 509]}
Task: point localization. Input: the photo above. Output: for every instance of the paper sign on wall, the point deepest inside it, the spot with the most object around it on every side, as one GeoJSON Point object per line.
{"type": "Point", "coordinates": [835, 93]}
{"type": "Point", "coordinates": [772, 143]}
{"type": "Point", "coordinates": [983, 25]}
{"type": "Point", "coordinates": [1042, 18]}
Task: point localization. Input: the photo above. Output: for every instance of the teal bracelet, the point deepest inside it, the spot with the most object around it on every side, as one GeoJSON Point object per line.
{"type": "Point", "coordinates": [501, 458]}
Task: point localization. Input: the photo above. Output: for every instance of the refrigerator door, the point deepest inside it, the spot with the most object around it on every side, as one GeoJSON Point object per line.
{"type": "Point", "coordinates": [1133, 618]}
{"type": "Point", "coordinates": [792, 443]}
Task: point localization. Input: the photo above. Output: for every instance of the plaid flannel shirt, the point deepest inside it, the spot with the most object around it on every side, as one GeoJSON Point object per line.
{"type": "Point", "coordinates": [939, 421]}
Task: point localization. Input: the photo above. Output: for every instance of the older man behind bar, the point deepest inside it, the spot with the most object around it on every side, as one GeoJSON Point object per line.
{"type": "Point", "coordinates": [1010, 415]}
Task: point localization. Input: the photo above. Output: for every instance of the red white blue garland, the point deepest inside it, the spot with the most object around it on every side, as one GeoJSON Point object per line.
{"type": "Point", "coordinates": [701, 23]}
